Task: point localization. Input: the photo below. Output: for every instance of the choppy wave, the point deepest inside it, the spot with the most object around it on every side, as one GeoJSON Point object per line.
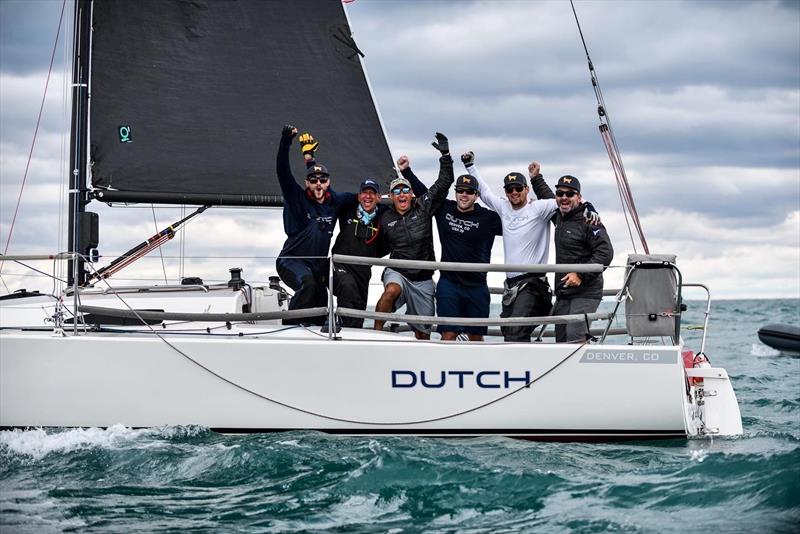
{"type": "Point", "coordinates": [120, 479]}
{"type": "Point", "coordinates": [189, 478]}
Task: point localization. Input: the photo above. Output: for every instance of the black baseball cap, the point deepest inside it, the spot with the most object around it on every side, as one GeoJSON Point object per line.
{"type": "Point", "coordinates": [514, 178]}
{"type": "Point", "coordinates": [317, 170]}
{"type": "Point", "coordinates": [465, 181]}
{"type": "Point", "coordinates": [569, 181]}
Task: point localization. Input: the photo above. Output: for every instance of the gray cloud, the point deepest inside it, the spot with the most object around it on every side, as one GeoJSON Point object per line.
{"type": "Point", "coordinates": [704, 98]}
{"type": "Point", "coordinates": [27, 33]}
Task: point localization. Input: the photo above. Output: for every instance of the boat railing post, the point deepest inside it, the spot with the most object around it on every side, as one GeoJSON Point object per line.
{"type": "Point", "coordinates": [620, 296]}
{"type": "Point", "coordinates": [678, 304]}
{"type": "Point", "coordinates": [74, 293]}
{"type": "Point", "coordinates": [707, 314]}
{"type": "Point", "coordinates": [331, 314]}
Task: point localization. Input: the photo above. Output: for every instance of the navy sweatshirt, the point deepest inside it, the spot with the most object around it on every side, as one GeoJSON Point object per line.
{"type": "Point", "coordinates": [466, 237]}
{"type": "Point", "coordinates": [308, 224]}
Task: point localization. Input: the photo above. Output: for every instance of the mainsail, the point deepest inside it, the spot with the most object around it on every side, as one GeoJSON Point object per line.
{"type": "Point", "coordinates": [188, 99]}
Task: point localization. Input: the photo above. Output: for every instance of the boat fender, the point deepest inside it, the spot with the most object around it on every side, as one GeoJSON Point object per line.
{"type": "Point", "coordinates": [701, 360]}
{"type": "Point", "coordinates": [691, 360]}
{"type": "Point", "coordinates": [688, 358]}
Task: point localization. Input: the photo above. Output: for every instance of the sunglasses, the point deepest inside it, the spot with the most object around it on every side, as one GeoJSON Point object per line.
{"type": "Point", "coordinates": [465, 191]}
{"type": "Point", "coordinates": [398, 190]}
{"type": "Point", "coordinates": [517, 188]}
{"type": "Point", "coordinates": [568, 194]}
{"type": "Point", "coordinates": [314, 179]}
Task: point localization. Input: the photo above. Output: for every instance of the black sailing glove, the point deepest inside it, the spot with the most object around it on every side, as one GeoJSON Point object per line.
{"type": "Point", "coordinates": [590, 214]}
{"type": "Point", "coordinates": [442, 144]}
{"type": "Point", "coordinates": [288, 133]}
{"type": "Point", "coordinates": [468, 158]}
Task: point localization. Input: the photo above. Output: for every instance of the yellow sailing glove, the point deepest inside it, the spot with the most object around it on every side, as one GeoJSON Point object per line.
{"type": "Point", "coordinates": [307, 143]}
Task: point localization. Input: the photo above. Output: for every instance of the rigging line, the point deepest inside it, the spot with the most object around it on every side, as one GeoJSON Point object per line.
{"type": "Point", "coordinates": [624, 211]}
{"type": "Point", "coordinates": [64, 149]}
{"type": "Point", "coordinates": [38, 271]}
{"type": "Point", "coordinates": [160, 252]}
{"type": "Point", "coordinates": [341, 419]}
{"type": "Point", "coordinates": [609, 139]}
{"type": "Point", "coordinates": [35, 132]}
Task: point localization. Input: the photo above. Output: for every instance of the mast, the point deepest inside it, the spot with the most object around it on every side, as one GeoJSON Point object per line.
{"type": "Point", "coordinates": [78, 140]}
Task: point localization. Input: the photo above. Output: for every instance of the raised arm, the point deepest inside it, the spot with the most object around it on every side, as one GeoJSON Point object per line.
{"type": "Point", "coordinates": [404, 165]}
{"type": "Point", "coordinates": [289, 186]}
{"type": "Point", "coordinates": [438, 191]}
{"type": "Point", "coordinates": [488, 197]}
{"type": "Point", "coordinates": [538, 186]}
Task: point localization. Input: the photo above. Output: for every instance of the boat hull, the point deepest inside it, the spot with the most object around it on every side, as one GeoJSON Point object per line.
{"type": "Point", "coordinates": [377, 384]}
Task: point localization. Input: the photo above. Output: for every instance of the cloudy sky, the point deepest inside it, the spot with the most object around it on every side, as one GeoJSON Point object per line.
{"type": "Point", "coordinates": [704, 98]}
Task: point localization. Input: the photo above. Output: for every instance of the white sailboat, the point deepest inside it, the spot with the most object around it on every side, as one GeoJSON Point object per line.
{"type": "Point", "coordinates": [217, 355]}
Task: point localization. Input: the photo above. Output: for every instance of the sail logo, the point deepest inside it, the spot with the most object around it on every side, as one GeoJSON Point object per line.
{"type": "Point", "coordinates": [405, 379]}
{"type": "Point", "coordinates": [125, 134]}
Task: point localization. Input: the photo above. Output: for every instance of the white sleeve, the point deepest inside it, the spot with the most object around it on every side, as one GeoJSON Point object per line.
{"type": "Point", "coordinates": [546, 207]}
{"type": "Point", "coordinates": [492, 201]}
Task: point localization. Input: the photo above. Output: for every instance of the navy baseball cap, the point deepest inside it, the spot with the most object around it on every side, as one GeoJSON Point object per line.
{"type": "Point", "coordinates": [570, 182]}
{"type": "Point", "coordinates": [370, 184]}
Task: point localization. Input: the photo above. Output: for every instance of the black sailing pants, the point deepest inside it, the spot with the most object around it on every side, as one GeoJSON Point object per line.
{"type": "Point", "coordinates": [532, 300]}
{"type": "Point", "coordinates": [309, 280]}
{"type": "Point", "coordinates": [351, 291]}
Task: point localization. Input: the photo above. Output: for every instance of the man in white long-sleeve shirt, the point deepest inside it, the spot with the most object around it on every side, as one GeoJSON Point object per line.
{"type": "Point", "coordinates": [526, 240]}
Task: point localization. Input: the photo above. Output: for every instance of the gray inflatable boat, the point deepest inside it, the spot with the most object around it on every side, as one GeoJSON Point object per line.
{"type": "Point", "coordinates": [783, 337]}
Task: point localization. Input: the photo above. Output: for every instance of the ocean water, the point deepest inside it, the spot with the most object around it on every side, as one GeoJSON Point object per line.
{"type": "Point", "coordinates": [194, 480]}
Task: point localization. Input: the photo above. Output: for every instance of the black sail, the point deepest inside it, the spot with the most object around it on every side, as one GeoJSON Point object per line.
{"type": "Point", "coordinates": [188, 99]}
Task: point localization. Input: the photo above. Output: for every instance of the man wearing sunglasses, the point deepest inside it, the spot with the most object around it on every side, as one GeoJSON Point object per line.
{"type": "Point", "coordinates": [309, 217]}
{"type": "Point", "coordinates": [577, 242]}
{"type": "Point", "coordinates": [526, 240]}
{"type": "Point", "coordinates": [359, 235]}
{"type": "Point", "coordinates": [409, 232]}
{"type": "Point", "coordinates": [466, 233]}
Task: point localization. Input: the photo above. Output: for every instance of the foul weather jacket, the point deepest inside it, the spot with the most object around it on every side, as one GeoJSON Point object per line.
{"type": "Point", "coordinates": [577, 241]}
{"type": "Point", "coordinates": [410, 236]}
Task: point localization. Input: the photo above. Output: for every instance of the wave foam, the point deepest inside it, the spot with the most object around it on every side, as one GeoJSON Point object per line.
{"type": "Point", "coordinates": [38, 443]}
{"type": "Point", "coordinates": [763, 350]}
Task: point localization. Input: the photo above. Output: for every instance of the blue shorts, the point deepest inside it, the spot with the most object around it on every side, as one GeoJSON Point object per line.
{"type": "Point", "coordinates": [454, 300]}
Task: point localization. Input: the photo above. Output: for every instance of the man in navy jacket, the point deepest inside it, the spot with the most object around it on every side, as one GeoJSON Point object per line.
{"type": "Point", "coordinates": [309, 217]}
